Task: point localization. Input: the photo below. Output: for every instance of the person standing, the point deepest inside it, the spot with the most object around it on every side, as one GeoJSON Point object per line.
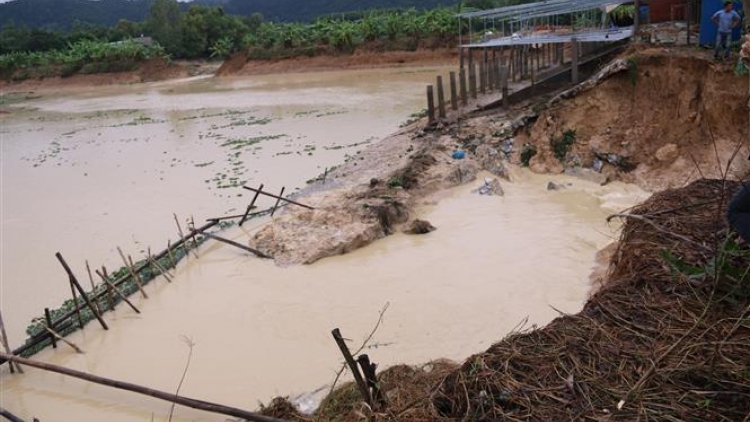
{"type": "Point", "coordinates": [726, 20]}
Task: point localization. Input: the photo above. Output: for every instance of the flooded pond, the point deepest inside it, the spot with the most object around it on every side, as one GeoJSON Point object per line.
{"type": "Point", "coordinates": [260, 330]}
{"type": "Point", "coordinates": [87, 170]}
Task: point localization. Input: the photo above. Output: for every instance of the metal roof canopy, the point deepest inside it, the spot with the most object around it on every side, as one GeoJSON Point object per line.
{"type": "Point", "coordinates": [540, 9]}
{"type": "Point", "coordinates": [587, 36]}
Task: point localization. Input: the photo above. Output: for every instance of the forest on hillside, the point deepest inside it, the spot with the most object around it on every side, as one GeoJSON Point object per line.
{"type": "Point", "coordinates": [62, 14]}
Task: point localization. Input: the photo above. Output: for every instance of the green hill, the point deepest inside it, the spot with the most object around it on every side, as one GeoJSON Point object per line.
{"type": "Point", "coordinates": [61, 14]}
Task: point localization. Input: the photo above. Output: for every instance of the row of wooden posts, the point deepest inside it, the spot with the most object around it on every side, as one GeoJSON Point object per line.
{"type": "Point", "coordinates": [52, 328]}
{"type": "Point", "coordinates": [499, 67]}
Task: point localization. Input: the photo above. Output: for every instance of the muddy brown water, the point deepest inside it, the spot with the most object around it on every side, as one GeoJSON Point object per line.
{"type": "Point", "coordinates": [260, 330]}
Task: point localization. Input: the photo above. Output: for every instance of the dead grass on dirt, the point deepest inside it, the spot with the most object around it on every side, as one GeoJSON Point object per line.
{"type": "Point", "coordinates": [656, 342]}
{"type": "Point", "coordinates": [407, 389]}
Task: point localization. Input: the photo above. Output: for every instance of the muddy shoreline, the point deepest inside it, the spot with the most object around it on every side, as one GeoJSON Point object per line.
{"type": "Point", "coordinates": [238, 65]}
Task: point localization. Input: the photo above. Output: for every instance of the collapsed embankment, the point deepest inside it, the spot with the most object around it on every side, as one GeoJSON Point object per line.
{"type": "Point", "coordinates": [667, 337]}
{"type": "Point", "coordinates": [668, 118]}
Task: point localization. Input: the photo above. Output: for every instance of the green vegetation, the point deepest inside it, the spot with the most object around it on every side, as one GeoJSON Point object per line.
{"type": "Point", "coordinates": [528, 151]}
{"type": "Point", "coordinates": [560, 147]}
{"type": "Point", "coordinates": [81, 57]}
{"type": "Point", "coordinates": [389, 30]}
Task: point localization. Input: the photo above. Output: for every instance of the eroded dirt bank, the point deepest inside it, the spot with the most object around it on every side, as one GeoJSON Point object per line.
{"type": "Point", "coordinates": [654, 124]}
{"type": "Point", "coordinates": [240, 65]}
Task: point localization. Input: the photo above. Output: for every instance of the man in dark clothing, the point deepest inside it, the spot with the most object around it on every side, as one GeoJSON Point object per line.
{"type": "Point", "coordinates": [738, 212]}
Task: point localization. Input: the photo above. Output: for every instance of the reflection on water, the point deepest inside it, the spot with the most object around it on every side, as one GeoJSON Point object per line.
{"type": "Point", "coordinates": [262, 331]}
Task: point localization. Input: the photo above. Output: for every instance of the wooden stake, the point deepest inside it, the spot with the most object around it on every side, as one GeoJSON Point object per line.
{"type": "Point", "coordinates": [161, 269]}
{"type": "Point", "coordinates": [75, 302]}
{"type": "Point", "coordinates": [55, 335]}
{"type": "Point", "coordinates": [454, 91]}
{"type": "Point", "coordinates": [368, 369]}
{"type": "Point", "coordinates": [170, 397]}
{"type": "Point", "coordinates": [473, 80]}
{"type": "Point", "coordinates": [105, 279]}
{"type": "Point", "coordinates": [182, 235]}
{"type": "Point", "coordinates": [93, 287]}
{"type": "Point", "coordinates": [440, 97]}
{"type": "Point", "coordinates": [191, 226]}
{"type": "Point", "coordinates": [482, 78]}
{"type": "Point", "coordinates": [252, 204]}
{"type": "Point", "coordinates": [238, 245]}
{"type": "Point", "coordinates": [281, 195]}
{"type": "Point", "coordinates": [169, 252]}
{"type": "Point", "coordinates": [574, 60]}
{"type": "Point", "coordinates": [48, 318]}
{"type": "Point", "coordinates": [430, 104]}
{"type": "Point", "coordinates": [132, 272]}
{"type": "Point", "coordinates": [80, 290]}
{"type": "Point", "coordinates": [6, 346]}
{"type": "Point", "coordinates": [352, 366]}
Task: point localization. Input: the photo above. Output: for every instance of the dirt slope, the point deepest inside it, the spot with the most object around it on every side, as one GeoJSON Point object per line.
{"type": "Point", "coordinates": [660, 118]}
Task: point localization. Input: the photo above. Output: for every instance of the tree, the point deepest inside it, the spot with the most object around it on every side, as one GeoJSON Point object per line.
{"type": "Point", "coordinates": [479, 4]}
{"type": "Point", "coordinates": [163, 24]}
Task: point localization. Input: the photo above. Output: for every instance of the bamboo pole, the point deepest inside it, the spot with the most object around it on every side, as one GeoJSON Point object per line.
{"type": "Point", "coordinates": [179, 229]}
{"type": "Point", "coordinates": [55, 335]}
{"type": "Point", "coordinates": [158, 266]}
{"type": "Point", "coordinates": [191, 226]}
{"type": "Point", "coordinates": [6, 346]}
{"type": "Point", "coordinates": [105, 279]}
{"type": "Point", "coordinates": [124, 298]}
{"type": "Point", "coordinates": [121, 385]}
{"type": "Point", "coordinates": [281, 195]}
{"type": "Point", "coordinates": [238, 245]}
{"type": "Point", "coordinates": [74, 280]}
{"type": "Point", "coordinates": [48, 319]}
{"type": "Point", "coordinates": [169, 252]}
{"type": "Point", "coordinates": [9, 416]}
{"type": "Point", "coordinates": [252, 204]}
{"type": "Point", "coordinates": [277, 197]}
{"type": "Point", "coordinates": [93, 287]}
{"type": "Point", "coordinates": [132, 272]}
{"type": "Point", "coordinates": [75, 302]}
